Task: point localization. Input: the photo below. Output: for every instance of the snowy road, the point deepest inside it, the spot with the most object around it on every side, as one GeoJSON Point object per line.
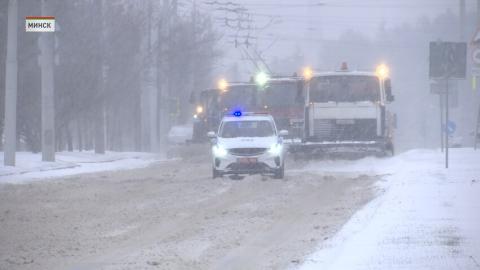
{"type": "Point", "coordinates": [172, 215]}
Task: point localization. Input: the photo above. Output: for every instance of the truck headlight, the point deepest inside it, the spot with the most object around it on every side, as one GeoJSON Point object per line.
{"type": "Point", "coordinates": [219, 151]}
{"type": "Point", "coordinates": [276, 149]}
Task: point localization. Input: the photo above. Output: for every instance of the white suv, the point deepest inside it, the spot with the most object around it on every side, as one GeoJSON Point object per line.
{"type": "Point", "coordinates": [248, 144]}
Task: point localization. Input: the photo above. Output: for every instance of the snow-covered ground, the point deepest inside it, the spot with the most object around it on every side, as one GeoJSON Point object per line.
{"type": "Point", "coordinates": [427, 218]}
{"type": "Point", "coordinates": [177, 217]}
{"type": "Point", "coordinates": [173, 215]}
{"type": "Point", "coordinates": [29, 166]}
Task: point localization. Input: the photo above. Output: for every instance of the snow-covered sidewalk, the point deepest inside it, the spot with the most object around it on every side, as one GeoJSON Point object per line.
{"type": "Point", "coordinates": [29, 166]}
{"type": "Point", "coordinates": [428, 217]}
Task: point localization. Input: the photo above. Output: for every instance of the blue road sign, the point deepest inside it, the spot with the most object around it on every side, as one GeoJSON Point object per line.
{"type": "Point", "coordinates": [451, 127]}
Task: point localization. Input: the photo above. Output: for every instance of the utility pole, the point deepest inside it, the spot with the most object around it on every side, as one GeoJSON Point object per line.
{"type": "Point", "coordinates": [99, 126]}
{"type": "Point", "coordinates": [477, 129]}
{"type": "Point", "coordinates": [440, 96]}
{"type": "Point", "coordinates": [462, 96]}
{"type": "Point", "coordinates": [163, 72]}
{"type": "Point", "coordinates": [446, 123]}
{"type": "Point", "coordinates": [152, 77]}
{"type": "Point", "coordinates": [478, 13]}
{"type": "Point", "coordinates": [462, 20]}
{"type": "Point", "coordinates": [48, 101]}
{"type": "Point", "coordinates": [11, 86]}
{"type": "Point", "coordinates": [166, 91]}
{"type": "Point", "coordinates": [145, 96]}
{"type": "Point", "coordinates": [194, 50]}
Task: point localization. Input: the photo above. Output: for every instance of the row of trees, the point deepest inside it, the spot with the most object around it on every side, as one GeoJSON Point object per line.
{"type": "Point", "coordinates": [123, 71]}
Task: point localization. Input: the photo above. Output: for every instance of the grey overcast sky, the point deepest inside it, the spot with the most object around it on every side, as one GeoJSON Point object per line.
{"type": "Point", "coordinates": [284, 24]}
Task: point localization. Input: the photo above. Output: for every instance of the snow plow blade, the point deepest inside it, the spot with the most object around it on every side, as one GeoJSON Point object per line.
{"type": "Point", "coordinates": [342, 147]}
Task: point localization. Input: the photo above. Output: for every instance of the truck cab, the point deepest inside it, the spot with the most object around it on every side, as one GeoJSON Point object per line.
{"type": "Point", "coordinates": [214, 103]}
{"type": "Point", "coordinates": [204, 116]}
{"type": "Point", "coordinates": [283, 98]}
{"type": "Point", "coordinates": [349, 109]}
{"type": "Point", "coordinates": [240, 96]}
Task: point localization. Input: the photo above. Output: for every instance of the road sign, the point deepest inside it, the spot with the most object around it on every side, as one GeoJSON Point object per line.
{"type": "Point", "coordinates": [476, 71]}
{"type": "Point", "coordinates": [451, 128]}
{"type": "Point", "coordinates": [476, 56]}
{"type": "Point", "coordinates": [476, 38]}
{"type": "Point", "coordinates": [448, 60]}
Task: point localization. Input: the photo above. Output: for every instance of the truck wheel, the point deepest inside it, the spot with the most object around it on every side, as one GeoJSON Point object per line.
{"type": "Point", "coordinates": [215, 173]}
{"type": "Point", "coordinates": [280, 172]}
{"type": "Point", "coordinates": [392, 151]}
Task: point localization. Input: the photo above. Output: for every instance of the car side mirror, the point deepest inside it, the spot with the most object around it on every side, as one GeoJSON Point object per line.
{"type": "Point", "coordinates": [283, 133]}
{"type": "Point", "coordinates": [212, 136]}
{"type": "Point", "coordinates": [388, 91]}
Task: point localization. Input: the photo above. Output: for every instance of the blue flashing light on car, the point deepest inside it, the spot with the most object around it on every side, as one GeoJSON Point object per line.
{"type": "Point", "coordinates": [237, 113]}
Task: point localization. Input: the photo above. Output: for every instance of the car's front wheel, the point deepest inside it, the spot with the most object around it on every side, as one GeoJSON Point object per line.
{"type": "Point", "coordinates": [280, 172]}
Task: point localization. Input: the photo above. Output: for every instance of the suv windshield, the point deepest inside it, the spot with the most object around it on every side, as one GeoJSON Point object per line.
{"type": "Point", "coordinates": [344, 88]}
{"type": "Point", "coordinates": [234, 129]}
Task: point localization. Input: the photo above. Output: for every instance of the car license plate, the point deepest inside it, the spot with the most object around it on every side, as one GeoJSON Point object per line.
{"type": "Point", "coordinates": [345, 121]}
{"type": "Point", "coordinates": [247, 160]}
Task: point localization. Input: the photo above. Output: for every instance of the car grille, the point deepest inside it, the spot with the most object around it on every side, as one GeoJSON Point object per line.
{"type": "Point", "coordinates": [359, 130]}
{"type": "Point", "coordinates": [255, 167]}
{"type": "Point", "coordinates": [247, 151]}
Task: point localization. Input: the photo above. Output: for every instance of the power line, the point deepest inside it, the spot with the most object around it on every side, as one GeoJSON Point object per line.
{"type": "Point", "coordinates": [264, 5]}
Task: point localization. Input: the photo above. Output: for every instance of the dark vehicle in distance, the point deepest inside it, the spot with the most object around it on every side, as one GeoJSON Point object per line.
{"type": "Point", "coordinates": [214, 103]}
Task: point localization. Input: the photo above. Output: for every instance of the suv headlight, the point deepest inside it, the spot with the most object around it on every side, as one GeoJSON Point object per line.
{"type": "Point", "coordinates": [275, 149]}
{"type": "Point", "coordinates": [219, 151]}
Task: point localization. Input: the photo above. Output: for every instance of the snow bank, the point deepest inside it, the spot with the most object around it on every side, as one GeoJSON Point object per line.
{"type": "Point", "coordinates": [428, 217]}
{"type": "Point", "coordinates": [29, 166]}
